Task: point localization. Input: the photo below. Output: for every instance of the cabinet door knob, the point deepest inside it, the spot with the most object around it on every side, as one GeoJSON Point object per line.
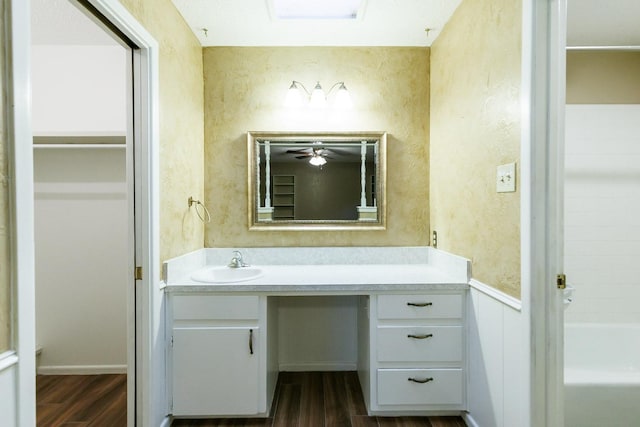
{"type": "Point", "coordinates": [419, 304]}
{"type": "Point", "coordinates": [250, 341]}
{"type": "Point", "coordinates": [416, 380]}
{"type": "Point", "coordinates": [420, 337]}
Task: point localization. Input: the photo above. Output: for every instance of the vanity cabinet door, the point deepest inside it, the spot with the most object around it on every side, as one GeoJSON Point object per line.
{"type": "Point", "coordinates": [215, 371]}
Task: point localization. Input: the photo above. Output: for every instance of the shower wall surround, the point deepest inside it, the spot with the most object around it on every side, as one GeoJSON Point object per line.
{"type": "Point", "coordinates": [601, 185]}
{"type": "Point", "coordinates": [602, 212]}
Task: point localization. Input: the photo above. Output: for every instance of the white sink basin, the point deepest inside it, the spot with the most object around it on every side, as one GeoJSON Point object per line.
{"type": "Point", "coordinates": [226, 274]}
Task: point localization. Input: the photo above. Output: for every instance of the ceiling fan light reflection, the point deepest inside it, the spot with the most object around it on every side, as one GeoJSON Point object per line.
{"type": "Point", "coordinates": [317, 161]}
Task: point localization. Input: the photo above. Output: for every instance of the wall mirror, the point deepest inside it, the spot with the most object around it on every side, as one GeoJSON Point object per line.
{"type": "Point", "coordinates": [325, 181]}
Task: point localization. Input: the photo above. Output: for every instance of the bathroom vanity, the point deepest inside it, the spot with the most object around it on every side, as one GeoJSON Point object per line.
{"type": "Point", "coordinates": [223, 336]}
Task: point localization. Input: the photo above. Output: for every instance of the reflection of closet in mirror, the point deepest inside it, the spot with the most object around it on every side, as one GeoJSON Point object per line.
{"type": "Point", "coordinates": [316, 180]}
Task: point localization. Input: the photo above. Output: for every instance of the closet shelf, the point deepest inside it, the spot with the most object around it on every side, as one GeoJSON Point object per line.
{"type": "Point", "coordinates": [72, 146]}
{"type": "Point", "coordinates": [90, 140]}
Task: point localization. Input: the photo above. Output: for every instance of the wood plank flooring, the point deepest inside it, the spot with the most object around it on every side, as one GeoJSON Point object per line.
{"type": "Point", "coordinates": [322, 399]}
{"type": "Point", "coordinates": [303, 399]}
{"type": "Point", "coordinates": [81, 400]}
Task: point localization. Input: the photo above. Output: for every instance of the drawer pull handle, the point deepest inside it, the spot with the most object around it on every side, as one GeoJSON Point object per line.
{"type": "Point", "coordinates": [420, 337]}
{"type": "Point", "coordinates": [419, 304]}
{"type": "Point", "coordinates": [415, 380]}
{"type": "Point", "coordinates": [250, 341]}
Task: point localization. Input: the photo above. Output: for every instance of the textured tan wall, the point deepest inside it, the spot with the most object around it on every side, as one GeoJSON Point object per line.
{"type": "Point", "coordinates": [475, 126]}
{"type": "Point", "coordinates": [603, 77]}
{"type": "Point", "coordinates": [181, 124]}
{"type": "Point", "coordinates": [5, 255]}
{"type": "Point", "coordinates": [244, 91]}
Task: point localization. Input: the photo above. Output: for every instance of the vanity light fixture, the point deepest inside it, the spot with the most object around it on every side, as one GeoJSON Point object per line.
{"type": "Point", "coordinates": [298, 93]}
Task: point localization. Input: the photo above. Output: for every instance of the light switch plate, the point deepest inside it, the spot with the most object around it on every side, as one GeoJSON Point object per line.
{"type": "Point", "coordinates": [506, 178]}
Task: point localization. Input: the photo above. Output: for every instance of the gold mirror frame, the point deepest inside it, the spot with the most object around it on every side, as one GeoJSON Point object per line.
{"type": "Point", "coordinates": [302, 138]}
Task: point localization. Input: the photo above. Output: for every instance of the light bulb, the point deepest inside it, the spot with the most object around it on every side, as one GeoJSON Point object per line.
{"type": "Point", "coordinates": [294, 97]}
{"type": "Point", "coordinates": [318, 98]}
{"type": "Point", "coordinates": [343, 99]}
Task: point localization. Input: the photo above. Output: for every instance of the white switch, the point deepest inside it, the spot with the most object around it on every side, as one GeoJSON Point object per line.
{"type": "Point", "coordinates": [506, 178]}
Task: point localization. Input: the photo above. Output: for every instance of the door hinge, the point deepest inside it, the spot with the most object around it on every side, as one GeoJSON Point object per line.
{"type": "Point", "coordinates": [138, 273]}
{"type": "Point", "coordinates": [171, 341]}
{"type": "Point", "coordinates": [561, 281]}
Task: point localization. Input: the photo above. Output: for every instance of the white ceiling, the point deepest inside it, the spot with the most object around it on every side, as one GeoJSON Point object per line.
{"type": "Point", "coordinates": [384, 23]}
{"type": "Point", "coordinates": [250, 23]}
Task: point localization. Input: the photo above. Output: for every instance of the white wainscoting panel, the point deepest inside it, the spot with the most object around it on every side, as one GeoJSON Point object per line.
{"type": "Point", "coordinates": [515, 371]}
{"type": "Point", "coordinates": [8, 400]}
{"type": "Point", "coordinates": [496, 370]}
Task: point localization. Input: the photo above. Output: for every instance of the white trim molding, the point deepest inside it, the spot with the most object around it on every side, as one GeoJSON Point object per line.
{"type": "Point", "coordinates": [7, 360]}
{"type": "Point", "coordinates": [543, 86]}
{"type": "Point", "coordinates": [496, 294]}
{"type": "Point", "coordinates": [151, 401]}
{"type": "Point", "coordinates": [19, 137]}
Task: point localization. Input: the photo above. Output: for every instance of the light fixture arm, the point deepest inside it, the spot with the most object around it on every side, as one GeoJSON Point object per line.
{"type": "Point", "coordinates": [340, 85]}
{"type": "Point", "coordinates": [294, 85]}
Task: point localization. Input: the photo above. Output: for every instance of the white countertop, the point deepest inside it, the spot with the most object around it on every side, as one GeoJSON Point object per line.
{"type": "Point", "coordinates": [331, 278]}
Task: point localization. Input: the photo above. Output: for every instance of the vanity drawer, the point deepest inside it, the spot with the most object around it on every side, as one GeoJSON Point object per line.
{"type": "Point", "coordinates": [420, 386]}
{"type": "Point", "coordinates": [420, 306]}
{"type": "Point", "coordinates": [420, 344]}
{"type": "Point", "coordinates": [214, 307]}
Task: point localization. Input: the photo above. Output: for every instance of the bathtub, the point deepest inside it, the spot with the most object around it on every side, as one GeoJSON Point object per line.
{"type": "Point", "coordinates": [602, 375]}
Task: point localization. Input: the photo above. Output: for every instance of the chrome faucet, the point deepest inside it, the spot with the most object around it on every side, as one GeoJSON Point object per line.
{"type": "Point", "coordinates": [236, 261]}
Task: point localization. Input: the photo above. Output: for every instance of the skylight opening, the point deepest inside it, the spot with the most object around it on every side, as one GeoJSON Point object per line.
{"type": "Point", "coordinates": [317, 9]}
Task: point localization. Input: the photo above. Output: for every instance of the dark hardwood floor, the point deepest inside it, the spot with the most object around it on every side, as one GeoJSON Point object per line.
{"type": "Point", "coordinates": [81, 400]}
{"type": "Point", "coordinates": [321, 399]}
{"type": "Point", "coordinates": [303, 399]}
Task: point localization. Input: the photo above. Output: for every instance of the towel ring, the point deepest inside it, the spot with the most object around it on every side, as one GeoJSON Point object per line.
{"type": "Point", "coordinates": [203, 213]}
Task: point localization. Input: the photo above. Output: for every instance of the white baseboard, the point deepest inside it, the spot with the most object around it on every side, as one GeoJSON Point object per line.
{"type": "Point", "coordinates": [469, 420]}
{"type": "Point", "coordinates": [82, 370]}
{"type": "Point", "coordinates": [322, 366]}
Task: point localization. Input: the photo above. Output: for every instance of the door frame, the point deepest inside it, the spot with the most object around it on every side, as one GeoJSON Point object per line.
{"type": "Point", "coordinates": [147, 406]}
{"type": "Point", "coordinates": [20, 157]}
{"type": "Point", "coordinates": [542, 206]}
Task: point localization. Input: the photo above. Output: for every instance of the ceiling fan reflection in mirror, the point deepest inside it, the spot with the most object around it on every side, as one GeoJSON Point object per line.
{"type": "Point", "coordinates": [317, 154]}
